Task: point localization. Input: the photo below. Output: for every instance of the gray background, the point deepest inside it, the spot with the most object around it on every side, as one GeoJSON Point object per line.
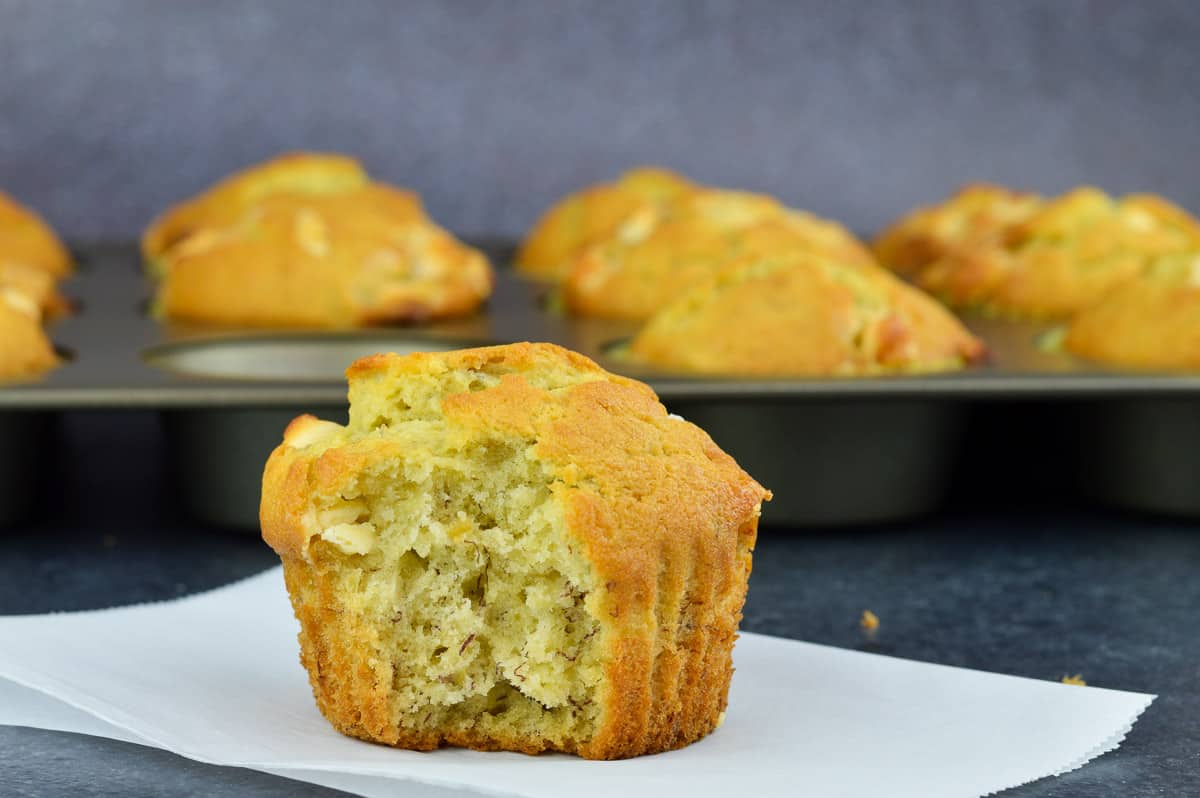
{"type": "Point", "coordinates": [109, 110]}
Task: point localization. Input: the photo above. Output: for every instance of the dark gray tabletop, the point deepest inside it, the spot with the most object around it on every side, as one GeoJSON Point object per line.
{"type": "Point", "coordinates": [1040, 591]}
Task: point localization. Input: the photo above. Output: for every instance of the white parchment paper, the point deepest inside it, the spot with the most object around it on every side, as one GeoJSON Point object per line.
{"type": "Point", "coordinates": [216, 678]}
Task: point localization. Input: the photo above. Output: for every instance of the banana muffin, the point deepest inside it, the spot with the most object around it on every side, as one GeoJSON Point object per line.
{"type": "Point", "coordinates": [1151, 322]}
{"type": "Point", "coordinates": [978, 215]}
{"type": "Point", "coordinates": [659, 254]}
{"type": "Point", "coordinates": [304, 242]}
{"type": "Point", "coordinates": [26, 239]}
{"type": "Point", "coordinates": [509, 548]}
{"type": "Point", "coordinates": [25, 351]}
{"type": "Point", "coordinates": [592, 215]}
{"type": "Point", "coordinates": [300, 173]}
{"type": "Point", "coordinates": [32, 261]}
{"type": "Point", "coordinates": [1023, 257]}
{"type": "Point", "coordinates": [803, 315]}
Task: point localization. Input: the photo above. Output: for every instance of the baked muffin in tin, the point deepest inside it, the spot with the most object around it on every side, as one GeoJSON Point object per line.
{"type": "Point", "coordinates": [659, 253]}
{"type": "Point", "coordinates": [1016, 255]}
{"type": "Point", "coordinates": [803, 314]}
{"type": "Point", "coordinates": [977, 216]}
{"type": "Point", "coordinates": [591, 215]}
{"type": "Point", "coordinates": [224, 204]}
{"type": "Point", "coordinates": [1151, 322]}
{"type": "Point", "coordinates": [27, 240]}
{"type": "Point", "coordinates": [25, 350]}
{"type": "Point", "coordinates": [32, 261]}
{"type": "Point", "coordinates": [309, 241]}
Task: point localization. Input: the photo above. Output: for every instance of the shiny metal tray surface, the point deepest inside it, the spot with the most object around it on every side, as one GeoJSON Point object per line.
{"type": "Point", "coordinates": [834, 450]}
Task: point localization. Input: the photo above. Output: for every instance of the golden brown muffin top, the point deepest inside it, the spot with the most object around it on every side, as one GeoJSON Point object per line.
{"type": "Point", "coordinates": [803, 315]}
{"type": "Point", "coordinates": [1150, 322]}
{"type": "Point", "coordinates": [591, 215]}
{"type": "Point", "coordinates": [299, 173]}
{"type": "Point", "coordinates": [25, 351]}
{"type": "Point", "coordinates": [1075, 250]}
{"type": "Point", "coordinates": [659, 253]}
{"type": "Point", "coordinates": [977, 215]}
{"type": "Point", "coordinates": [367, 255]}
{"type": "Point", "coordinates": [1035, 258]}
{"type": "Point", "coordinates": [1095, 224]}
{"type": "Point", "coordinates": [27, 240]}
{"type": "Point", "coordinates": [631, 479]}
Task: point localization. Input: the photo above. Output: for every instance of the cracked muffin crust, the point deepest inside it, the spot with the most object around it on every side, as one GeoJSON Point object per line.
{"type": "Point", "coordinates": [659, 253]}
{"type": "Point", "coordinates": [803, 315]}
{"type": "Point", "coordinates": [978, 215]}
{"type": "Point", "coordinates": [1017, 255]}
{"type": "Point", "coordinates": [591, 215]}
{"type": "Point", "coordinates": [307, 241]}
{"type": "Point", "coordinates": [509, 548]}
{"type": "Point", "coordinates": [304, 173]}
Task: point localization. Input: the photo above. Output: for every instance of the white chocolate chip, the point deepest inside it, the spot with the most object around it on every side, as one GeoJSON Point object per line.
{"type": "Point", "coordinates": [351, 538]}
{"type": "Point", "coordinates": [312, 234]}
{"type": "Point", "coordinates": [313, 431]}
{"type": "Point", "coordinates": [197, 243]}
{"type": "Point", "coordinates": [21, 303]}
{"type": "Point", "coordinates": [345, 513]}
{"type": "Point", "coordinates": [386, 261]}
{"type": "Point", "coordinates": [1194, 272]}
{"type": "Point", "coordinates": [637, 226]}
{"type": "Point", "coordinates": [1140, 220]}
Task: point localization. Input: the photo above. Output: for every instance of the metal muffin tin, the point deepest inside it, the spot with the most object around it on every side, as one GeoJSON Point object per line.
{"type": "Point", "coordinates": [835, 451]}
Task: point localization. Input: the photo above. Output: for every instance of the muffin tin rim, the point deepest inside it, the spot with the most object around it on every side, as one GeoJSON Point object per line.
{"type": "Point", "coordinates": [114, 341]}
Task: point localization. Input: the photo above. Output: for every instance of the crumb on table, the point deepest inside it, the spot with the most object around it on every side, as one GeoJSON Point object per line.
{"type": "Point", "coordinates": [869, 621]}
{"type": "Point", "coordinates": [1076, 679]}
